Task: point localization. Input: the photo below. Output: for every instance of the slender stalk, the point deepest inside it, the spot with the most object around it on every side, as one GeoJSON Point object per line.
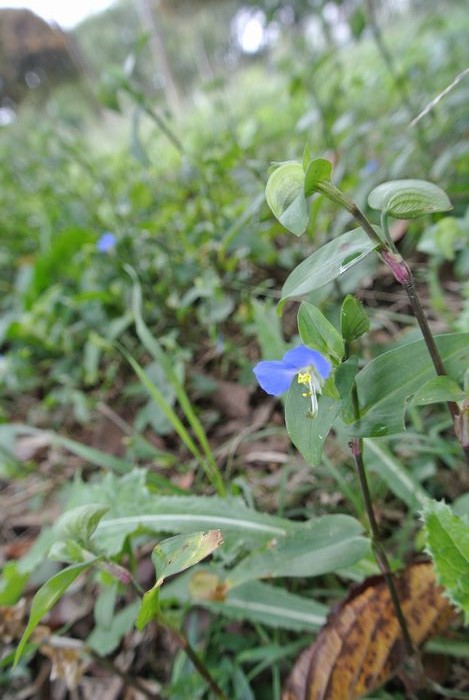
{"type": "Point", "coordinates": [356, 448]}
{"type": "Point", "coordinates": [404, 276]}
{"type": "Point", "coordinates": [380, 554]}
{"type": "Point", "coordinates": [198, 663]}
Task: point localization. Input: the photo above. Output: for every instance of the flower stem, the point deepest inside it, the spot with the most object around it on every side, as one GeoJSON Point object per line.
{"type": "Point", "coordinates": [356, 445]}
{"type": "Point", "coordinates": [404, 276]}
{"type": "Point", "coordinates": [184, 644]}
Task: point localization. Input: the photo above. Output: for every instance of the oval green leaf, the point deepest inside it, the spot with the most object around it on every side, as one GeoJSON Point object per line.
{"type": "Point", "coordinates": [327, 263]}
{"type": "Point", "coordinates": [178, 553]}
{"type": "Point", "coordinates": [353, 319]}
{"type": "Point", "coordinates": [408, 199]}
{"type": "Point", "coordinates": [318, 170]}
{"type": "Point", "coordinates": [317, 332]}
{"type": "Point", "coordinates": [285, 197]}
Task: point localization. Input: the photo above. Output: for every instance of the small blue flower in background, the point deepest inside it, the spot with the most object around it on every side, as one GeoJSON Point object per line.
{"type": "Point", "coordinates": [275, 376]}
{"type": "Point", "coordinates": [106, 242]}
{"type": "Point", "coordinates": [371, 166]}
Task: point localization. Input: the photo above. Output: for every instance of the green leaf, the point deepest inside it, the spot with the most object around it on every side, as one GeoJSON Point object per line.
{"type": "Point", "coordinates": [12, 583]}
{"type": "Point", "coordinates": [105, 639]}
{"type": "Point", "coordinates": [317, 172]}
{"type": "Point", "coordinates": [398, 479]}
{"type": "Point", "coordinates": [285, 197]}
{"type": "Point", "coordinates": [353, 319]}
{"type": "Point", "coordinates": [448, 544]}
{"type": "Point", "coordinates": [70, 552]}
{"type": "Point", "coordinates": [436, 390]}
{"type": "Point", "coordinates": [149, 608]}
{"type": "Point", "coordinates": [408, 199]}
{"type": "Point", "coordinates": [172, 556]}
{"type": "Point", "coordinates": [80, 523]}
{"type": "Point", "coordinates": [46, 598]}
{"type": "Point", "coordinates": [386, 382]}
{"type": "Point", "coordinates": [317, 332]}
{"type": "Point", "coordinates": [306, 433]}
{"type": "Point", "coordinates": [320, 546]}
{"type": "Point", "coordinates": [264, 604]}
{"type": "Point", "coordinates": [182, 514]}
{"type": "Point", "coordinates": [178, 553]}
{"type": "Point", "coordinates": [327, 263]}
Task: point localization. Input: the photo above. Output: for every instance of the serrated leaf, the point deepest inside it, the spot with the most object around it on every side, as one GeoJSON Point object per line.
{"type": "Point", "coordinates": [387, 381]}
{"type": "Point", "coordinates": [408, 199]}
{"type": "Point", "coordinates": [285, 197]}
{"type": "Point", "coordinates": [327, 263]}
{"type": "Point", "coordinates": [180, 514]}
{"type": "Point", "coordinates": [436, 390]}
{"type": "Point", "coordinates": [319, 546]}
{"type": "Point", "coordinates": [47, 596]}
{"type": "Point", "coordinates": [318, 333]}
{"type": "Point", "coordinates": [353, 319]}
{"type": "Point", "coordinates": [448, 543]}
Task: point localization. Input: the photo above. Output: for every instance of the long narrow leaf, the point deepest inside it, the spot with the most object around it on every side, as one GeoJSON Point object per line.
{"type": "Point", "coordinates": [158, 354]}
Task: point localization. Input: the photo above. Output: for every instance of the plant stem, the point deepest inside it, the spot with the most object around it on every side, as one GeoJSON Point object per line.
{"type": "Point", "coordinates": [197, 661]}
{"type": "Point", "coordinates": [404, 276]}
{"type": "Point", "coordinates": [356, 445]}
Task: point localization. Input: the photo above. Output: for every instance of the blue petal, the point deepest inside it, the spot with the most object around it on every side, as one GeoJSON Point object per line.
{"type": "Point", "coordinates": [273, 376]}
{"type": "Point", "coordinates": [106, 242]}
{"type": "Point", "coordinates": [301, 357]}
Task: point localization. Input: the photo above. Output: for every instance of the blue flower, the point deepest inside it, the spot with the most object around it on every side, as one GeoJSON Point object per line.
{"type": "Point", "coordinates": [106, 243]}
{"type": "Point", "coordinates": [275, 376]}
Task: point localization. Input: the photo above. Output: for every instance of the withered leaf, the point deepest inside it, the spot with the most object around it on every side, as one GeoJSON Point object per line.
{"type": "Point", "coordinates": [361, 645]}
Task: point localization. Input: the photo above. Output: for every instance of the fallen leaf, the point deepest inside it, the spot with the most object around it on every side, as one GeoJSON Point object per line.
{"type": "Point", "coordinates": [361, 645]}
{"type": "Point", "coordinates": [68, 664]}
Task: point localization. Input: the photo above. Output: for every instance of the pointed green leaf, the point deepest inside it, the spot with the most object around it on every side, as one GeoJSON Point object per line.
{"type": "Point", "coordinates": [318, 170]}
{"type": "Point", "coordinates": [285, 197]}
{"type": "Point", "coordinates": [328, 263]}
{"type": "Point", "coordinates": [322, 545]}
{"type": "Point", "coordinates": [353, 319]}
{"type": "Point", "coordinates": [149, 608]}
{"type": "Point", "coordinates": [389, 380]}
{"type": "Point", "coordinates": [178, 553]}
{"type": "Point", "coordinates": [317, 332]}
{"type": "Point", "coordinates": [448, 544]}
{"type": "Point", "coordinates": [46, 598]}
{"type": "Point", "coordinates": [437, 389]}
{"type": "Point", "coordinates": [307, 433]}
{"type": "Point", "coordinates": [399, 480]}
{"type": "Point", "coordinates": [80, 523]}
{"type": "Point", "coordinates": [170, 557]}
{"type": "Point", "coordinates": [408, 199]}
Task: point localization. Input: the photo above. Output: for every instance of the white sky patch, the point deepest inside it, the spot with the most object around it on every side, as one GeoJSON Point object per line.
{"type": "Point", "coordinates": [66, 13]}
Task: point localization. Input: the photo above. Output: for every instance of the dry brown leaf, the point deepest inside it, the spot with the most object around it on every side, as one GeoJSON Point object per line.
{"type": "Point", "coordinates": [68, 664]}
{"type": "Point", "coordinates": [361, 645]}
